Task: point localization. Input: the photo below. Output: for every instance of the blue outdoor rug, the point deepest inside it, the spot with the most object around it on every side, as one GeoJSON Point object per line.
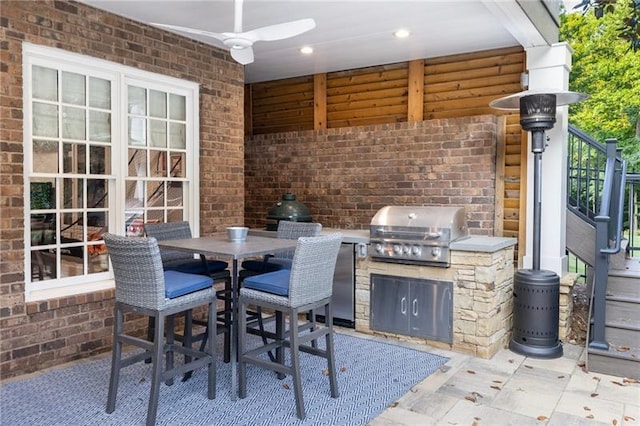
{"type": "Point", "coordinates": [371, 375]}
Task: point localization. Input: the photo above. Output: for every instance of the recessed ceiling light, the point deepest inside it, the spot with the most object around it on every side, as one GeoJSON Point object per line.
{"type": "Point", "coordinates": [307, 50]}
{"type": "Point", "coordinates": [401, 33]}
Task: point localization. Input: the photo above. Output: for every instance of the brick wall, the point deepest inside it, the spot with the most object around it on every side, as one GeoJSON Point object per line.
{"type": "Point", "coordinates": [345, 175]}
{"type": "Point", "coordinates": [41, 334]}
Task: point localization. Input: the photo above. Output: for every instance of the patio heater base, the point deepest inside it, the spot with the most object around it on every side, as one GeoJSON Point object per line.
{"type": "Point", "coordinates": [536, 295]}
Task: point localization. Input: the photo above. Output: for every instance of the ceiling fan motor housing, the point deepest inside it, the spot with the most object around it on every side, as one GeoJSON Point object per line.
{"type": "Point", "coordinates": [237, 43]}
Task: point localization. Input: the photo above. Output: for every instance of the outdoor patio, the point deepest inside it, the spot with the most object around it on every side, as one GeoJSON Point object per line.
{"type": "Point", "coordinates": [508, 389]}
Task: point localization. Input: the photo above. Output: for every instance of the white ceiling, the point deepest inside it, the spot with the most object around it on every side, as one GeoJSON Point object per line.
{"type": "Point", "coordinates": [349, 34]}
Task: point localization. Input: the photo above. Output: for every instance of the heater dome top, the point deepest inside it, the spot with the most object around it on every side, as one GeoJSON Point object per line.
{"type": "Point", "coordinates": [563, 97]}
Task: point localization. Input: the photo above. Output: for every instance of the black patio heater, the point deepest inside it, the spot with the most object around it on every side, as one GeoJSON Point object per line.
{"type": "Point", "coordinates": [536, 292]}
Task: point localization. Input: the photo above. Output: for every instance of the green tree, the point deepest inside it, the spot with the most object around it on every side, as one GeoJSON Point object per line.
{"type": "Point", "coordinates": [605, 68]}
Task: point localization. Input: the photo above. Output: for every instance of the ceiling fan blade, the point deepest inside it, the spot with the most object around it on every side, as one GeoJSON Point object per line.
{"type": "Point", "coordinates": [218, 36]}
{"type": "Point", "coordinates": [242, 56]}
{"type": "Point", "coordinates": [279, 31]}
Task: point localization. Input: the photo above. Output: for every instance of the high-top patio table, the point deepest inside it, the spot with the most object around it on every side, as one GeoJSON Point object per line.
{"type": "Point", "coordinates": [218, 245]}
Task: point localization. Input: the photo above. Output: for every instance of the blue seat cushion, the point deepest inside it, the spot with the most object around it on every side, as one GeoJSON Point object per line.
{"type": "Point", "coordinates": [178, 284]}
{"type": "Point", "coordinates": [276, 282]}
{"type": "Point", "coordinates": [195, 266]}
{"type": "Point", "coordinates": [259, 265]}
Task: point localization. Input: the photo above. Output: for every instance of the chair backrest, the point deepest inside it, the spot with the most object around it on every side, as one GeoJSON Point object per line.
{"type": "Point", "coordinates": [312, 268]}
{"type": "Point", "coordinates": [170, 231]}
{"type": "Point", "coordinates": [293, 230]}
{"type": "Point", "coordinates": [137, 269]}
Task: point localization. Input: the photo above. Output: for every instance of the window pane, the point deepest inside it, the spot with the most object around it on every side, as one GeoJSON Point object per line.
{"type": "Point", "coordinates": [135, 225]}
{"type": "Point", "coordinates": [72, 265]}
{"type": "Point", "coordinates": [155, 216]}
{"type": "Point", "coordinates": [98, 160]}
{"type": "Point", "coordinates": [97, 194]}
{"type": "Point", "coordinates": [158, 163]}
{"type": "Point", "coordinates": [177, 164]}
{"type": "Point", "coordinates": [73, 88]}
{"type": "Point", "coordinates": [99, 93]}
{"type": "Point", "coordinates": [72, 231]}
{"type": "Point", "coordinates": [73, 123]}
{"type": "Point", "coordinates": [95, 222]}
{"type": "Point", "coordinates": [178, 107]}
{"type": "Point", "coordinates": [157, 104]}
{"type": "Point", "coordinates": [43, 229]}
{"type": "Point", "coordinates": [175, 215]}
{"type": "Point", "coordinates": [174, 194]}
{"type": "Point", "coordinates": [137, 100]}
{"type": "Point", "coordinates": [177, 135]}
{"type": "Point", "coordinates": [45, 156]}
{"type": "Point", "coordinates": [158, 133]}
{"type": "Point", "coordinates": [43, 265]}
{"type": "Point", "coordinates": [137, 131]}
{"type": "Point", "coordinates": [135, 195]}
{"type": "Point", "coordinates": [98, 258]}
{"type": "Point", "coordinates": [73, 193]}
{"type": "Point", "coordinates": [43, 195]}
{"type": "Point", "coordinates": [74, 158]}
{"type": "Point", "coordinates": [155, 191]}
{"type": "Point", "coordinates": [45, 83]}
{"type": "Point", "coordinates": [45, 120]}
{"type": "Point", "coordinates": [137, 163]}
{"type": "Point", "coordinates": [99, 126]}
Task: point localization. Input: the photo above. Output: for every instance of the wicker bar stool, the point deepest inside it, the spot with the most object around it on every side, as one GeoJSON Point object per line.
{"type": "Point", "coordinates": [306, 286]}
{"type": "Point", "coordinates": [288, 230]}
{"type": "Point", "coordinates": [269, 263]}
{"type": "Point", "coordinates": [181, 261]}
{"type": "Point", "coordinates": [143, 287]}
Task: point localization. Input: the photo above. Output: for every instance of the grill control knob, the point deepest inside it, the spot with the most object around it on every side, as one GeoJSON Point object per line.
{"type": "Point", "coordinates": [435, 252]}
{"type": "Point", "coordinates": [397, 249]}
{"type": "Point", "coordinates": [379, 248]}
{"type": "Point", "coordinates": [406, 249]}
{"type": "Point", "coordinates": [416, 250]}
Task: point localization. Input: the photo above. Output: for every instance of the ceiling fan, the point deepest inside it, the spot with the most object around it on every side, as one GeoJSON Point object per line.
{"type": "Point", "coordinates": [240, 43]}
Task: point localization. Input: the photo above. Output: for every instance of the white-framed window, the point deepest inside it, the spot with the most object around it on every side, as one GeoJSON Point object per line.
{"type": "Point", "coordinates": [107, 148]}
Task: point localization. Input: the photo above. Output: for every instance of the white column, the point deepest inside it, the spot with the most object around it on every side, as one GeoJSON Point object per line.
{"type": "Point", "coordinates": [549, 68]}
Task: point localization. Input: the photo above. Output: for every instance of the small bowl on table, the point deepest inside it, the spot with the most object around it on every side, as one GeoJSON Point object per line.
{"type": "Point", "coordinates": [237, 233]}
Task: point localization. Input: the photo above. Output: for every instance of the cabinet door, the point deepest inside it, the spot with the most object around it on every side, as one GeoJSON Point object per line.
{"type": "Point", "coordinates": [430, 309]}
{"type": "Point", "coordinates": [390, 304]}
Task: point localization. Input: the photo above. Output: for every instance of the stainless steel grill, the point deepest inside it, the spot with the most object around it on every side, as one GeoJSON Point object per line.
{"type": "Point", "coordinates": [416, 234]}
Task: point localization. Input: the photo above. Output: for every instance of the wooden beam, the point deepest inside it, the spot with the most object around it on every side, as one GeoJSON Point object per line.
{"type": "Point", "coordinates": [416, 91]}
{"type": "Point", "coordinates": [319, 101]}
{"type": "Point", "coordinates": [498, 222]}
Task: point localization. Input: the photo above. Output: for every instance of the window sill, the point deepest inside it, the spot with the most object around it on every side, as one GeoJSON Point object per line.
{"type": "Point", "coordinates": [69, 291]}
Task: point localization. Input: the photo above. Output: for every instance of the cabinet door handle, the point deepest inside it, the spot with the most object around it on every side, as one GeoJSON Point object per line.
{"type": "Point", "coordinates": [403, 305]}
{"type": "Point", "coordinates": [414, 305]}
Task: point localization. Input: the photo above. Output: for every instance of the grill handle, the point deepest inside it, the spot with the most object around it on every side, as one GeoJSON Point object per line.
{"type": "Point", "coordinates": [403, 305]}
{"type": "Point", "coordinates": [409, 234]}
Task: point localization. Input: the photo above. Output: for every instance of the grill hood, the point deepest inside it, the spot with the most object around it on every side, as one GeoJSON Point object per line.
{"type": "Point", "coordinates": [419, 222]}
{"type": "Point", "coordinates": [416, 234]}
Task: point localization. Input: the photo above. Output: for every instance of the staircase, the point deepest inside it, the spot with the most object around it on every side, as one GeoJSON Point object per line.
{"type": "Point", "coordinates": [622, 322]}
{"type": "Point", "coordinates": [594, 228]}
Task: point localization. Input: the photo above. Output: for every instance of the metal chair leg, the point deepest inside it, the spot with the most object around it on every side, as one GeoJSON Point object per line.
{"type": "Point", "coordinates": [211, 332]}
{"type": "Point", "coordinates": [242, 347]}
{"type": "Point", "coordinates": [156, 360]}
{"type": "Point", "coordinates": [331, 359]}
{"type": "Point", "coordinates": [186, 340]}
{"type": "Point", "coordinates": [295, 364]}
{"type": "Point", "coordinates": [116, 357]}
